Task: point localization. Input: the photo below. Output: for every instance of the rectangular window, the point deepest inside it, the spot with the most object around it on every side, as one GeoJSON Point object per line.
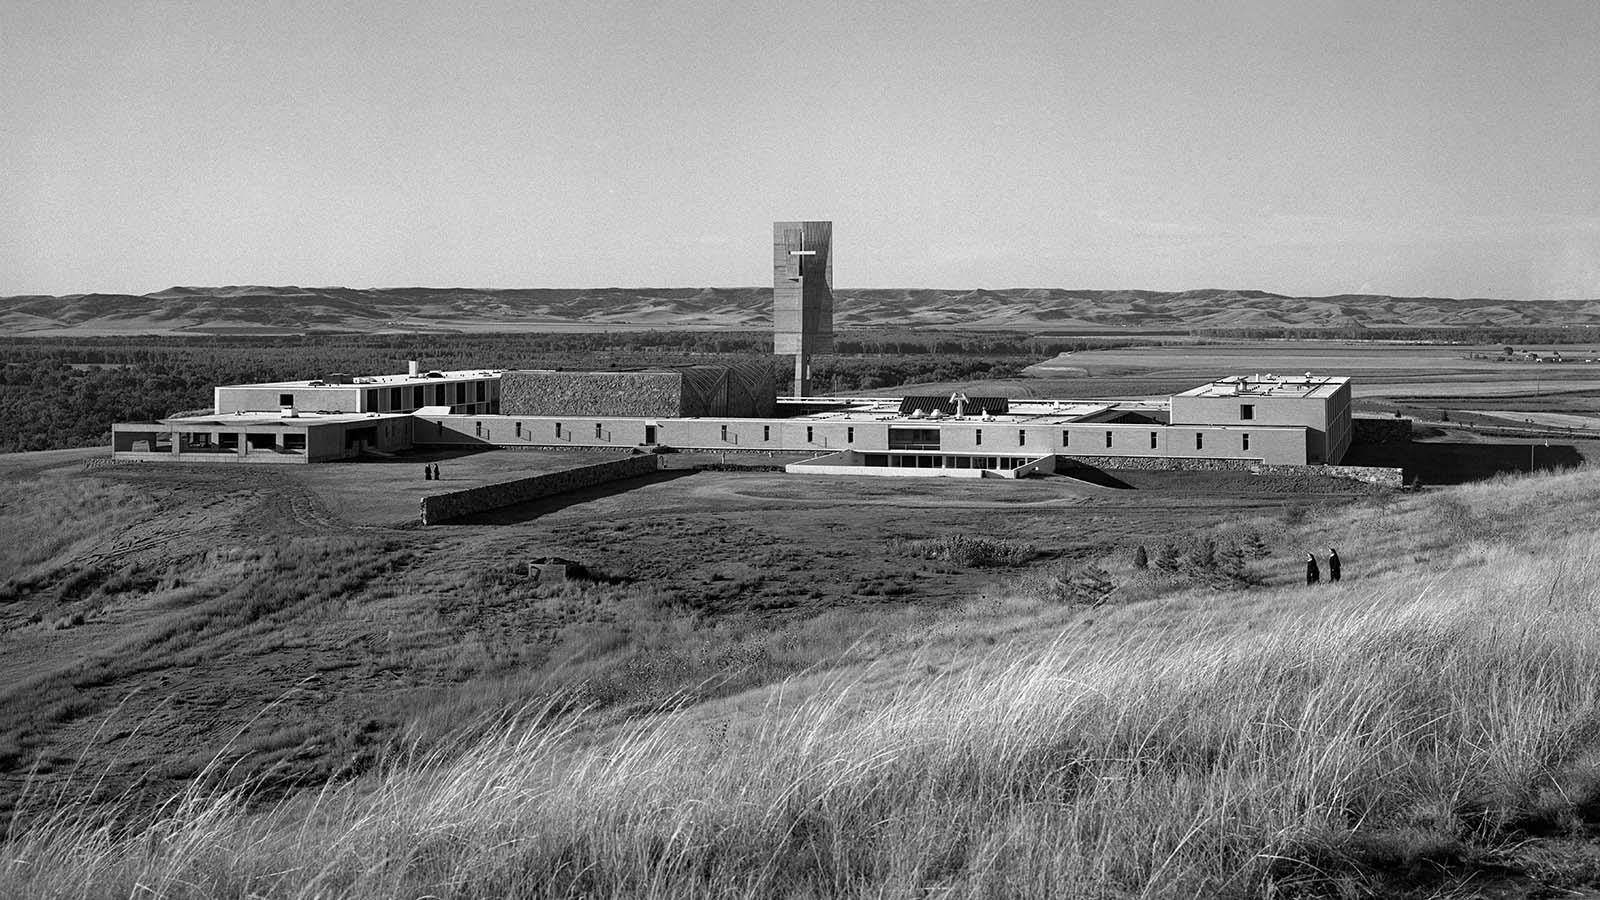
{"type": "Point", "coordinates": [809, 437]}
{"type": "Point", "coordinates": [597, 431]}
{"type": "Point", "coordinates": [650, 434]}
{"type": "Point", "coordinates": [1022, 438]}
{"type": "Point", "coordinates": [285, 399]}
{"type": "Point", "coordinates": [849, 435]}
{"type": "Point", "coordinates": [1199, 440]}
{"type": "Point", "coordinates": [461, 392]}
{"type": "Point", "coordinates": [372, 401]}
{"type": "Point", "coordinates": [724, 433]}
{"type": "Point", "coordinates": [1066, 438]}
{"type": "Point", "coordinates": [1246, 441]}
{"type": "Point", "coordinates": [766, 432]}
{"type": "Point", "coordinates": [395, 401]}
{"type": "Point", "coordinates": [477, 429]}
{"type": "Point", "coordinates": [481, 388]}
{"type": "Point", "coordinates": [1152, 440]}
{"type": "Point", "coordinates": [558, 429]}
{"type": "Point", "coordinates": [977, 437]}
{"type": "Point", "coordinates": [1247, 411]}
{"type": "Point", "coordinates": [519, 429]}
{"type": "Point", "coordinates": [914, 438]}
{"type": "Point", "coordinates": [416, 397]}
{"type": "Point", "coordinates": [1108, 439]}
{"type": "Point", "coordinates": [439, 397]}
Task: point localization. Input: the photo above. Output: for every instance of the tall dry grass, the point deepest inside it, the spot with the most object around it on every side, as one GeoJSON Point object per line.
{"type": "Point", "coordinates": [1402, 720]}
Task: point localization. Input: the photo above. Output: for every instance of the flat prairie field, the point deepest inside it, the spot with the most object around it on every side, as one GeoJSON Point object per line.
{"type": "Point", "coordinates": [1378, 371]}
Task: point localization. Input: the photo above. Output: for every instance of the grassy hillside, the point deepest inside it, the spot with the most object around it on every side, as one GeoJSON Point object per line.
{"type": "Point", "coordinates": [1426, 728]}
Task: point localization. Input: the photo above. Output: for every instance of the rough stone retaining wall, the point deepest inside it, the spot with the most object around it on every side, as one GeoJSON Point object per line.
{"type": "Point", "coordinates": [1381, 475]}
{"type": "Point", "coordinates": [444, 507]}
{"type": "Point", "coordinates": [1370, 430]}
{"type": "Point", "coordinates": [578, 394]}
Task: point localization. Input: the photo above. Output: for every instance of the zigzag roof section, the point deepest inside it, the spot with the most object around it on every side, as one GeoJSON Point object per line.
{"type": "Point", "coordinates": [972, 406]}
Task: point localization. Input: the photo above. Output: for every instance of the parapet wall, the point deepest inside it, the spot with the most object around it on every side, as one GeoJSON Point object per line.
{"type": "Point", "coordinates": [1379, 475]}
{"type": "Point", "coordinates": [455, 504]}
{"type": "Point", "coordinates": [1372, 430]}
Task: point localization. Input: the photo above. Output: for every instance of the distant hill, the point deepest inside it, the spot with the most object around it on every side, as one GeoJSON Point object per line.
{"type": "Point", "coordinates": [257, 309]}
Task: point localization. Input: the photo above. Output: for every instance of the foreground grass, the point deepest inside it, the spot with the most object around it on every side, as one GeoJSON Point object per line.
{"type": "Point", "coordinates": [1396, 734]}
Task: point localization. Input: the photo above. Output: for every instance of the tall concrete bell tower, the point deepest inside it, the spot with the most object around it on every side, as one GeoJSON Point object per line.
{"type": "Point", "coordinates": [802, 294]}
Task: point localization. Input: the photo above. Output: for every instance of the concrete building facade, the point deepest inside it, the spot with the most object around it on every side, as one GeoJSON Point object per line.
{"type": "Point", "coordinates": [1293, 432]}
{"type": "Point", "coordinates": [263, 437]}
{"type": "Point", "coordinates": [802, 294]}
{"type": "Point", "coordinates": [463, 392]}
{"type": "Point", "coordinates": [1278, 420]}
{"type": "Point", "coordinates": [1265, 419]}
{"type": "Point", "coordinates": [1319, 404]}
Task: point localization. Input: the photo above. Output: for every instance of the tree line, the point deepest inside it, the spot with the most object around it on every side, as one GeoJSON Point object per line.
{"type": "Point", "coordinates": [66, 392]}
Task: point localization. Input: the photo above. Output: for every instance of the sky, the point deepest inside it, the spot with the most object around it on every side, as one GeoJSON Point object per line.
{"type": "Point", "coordinates": [1312, 148]}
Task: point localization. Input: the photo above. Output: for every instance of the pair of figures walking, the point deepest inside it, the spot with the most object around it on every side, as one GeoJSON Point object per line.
{"type": "Point", "coordinates": [1313, 575]}
{"type": "Point", "coordinates": [430, 472]}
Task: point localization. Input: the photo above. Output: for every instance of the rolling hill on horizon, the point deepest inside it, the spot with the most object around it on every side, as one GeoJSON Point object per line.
{"type": "Point", "coordinates": [244, 309]}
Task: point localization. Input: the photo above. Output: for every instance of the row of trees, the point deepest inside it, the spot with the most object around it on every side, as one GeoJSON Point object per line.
{"type": "Point", "coordinates": [57, 393]}
{"type": "Point", "coordinates": [1432, 334]}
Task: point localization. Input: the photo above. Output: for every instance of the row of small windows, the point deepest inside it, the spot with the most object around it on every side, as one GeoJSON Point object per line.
{"type": "Point", "coordinates": [850, 435]}
{"type": "Point", "coordinates": [417, 396]}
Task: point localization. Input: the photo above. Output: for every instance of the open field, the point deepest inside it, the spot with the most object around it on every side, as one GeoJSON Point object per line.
{"type": "Point", "coordinates": [1396, 372]}
{"type": "Point", "coordinates": [303, 610]}
{"type": "Point", "coordinates": [1424, 729]}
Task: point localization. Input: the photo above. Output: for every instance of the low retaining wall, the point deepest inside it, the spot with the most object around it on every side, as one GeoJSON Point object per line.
{"type": "Point", "coordinates": [438, 508]}
{"type": "Point", "coordinates": [1380, 475]}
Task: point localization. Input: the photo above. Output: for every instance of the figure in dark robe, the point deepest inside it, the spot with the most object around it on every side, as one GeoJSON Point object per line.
{"type": "Point", "coordinates": [1312, 573]}
{"type": "Point", "coordinates": [1333, 564]}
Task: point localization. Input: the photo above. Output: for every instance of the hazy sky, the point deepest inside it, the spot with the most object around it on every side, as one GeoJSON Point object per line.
{"type": "Point", "coordinates": [1402, 147]}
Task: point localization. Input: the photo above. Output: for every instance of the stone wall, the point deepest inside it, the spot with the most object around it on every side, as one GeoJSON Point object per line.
{"type": "Point", "coordinates": [1371, 430]}
{"type": "Point", "coordinates": [455, 504]}
{"type": "Point", "coordinates": [1380, 475]}
{"type": "Point", "coordinates": [744, 390]}
{"type": "Point", "coordinates": [525, 393]}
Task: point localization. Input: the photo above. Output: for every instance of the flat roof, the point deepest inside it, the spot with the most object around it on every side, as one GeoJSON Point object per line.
{"type": "Point", "coordinates": [1305, 387]}
{"type": "Point", "coordinates": [225, 420]}
{"type": "Point", "coordinates": [402, 379]}
{"type": "Point", "coordinates": [1021, 412]}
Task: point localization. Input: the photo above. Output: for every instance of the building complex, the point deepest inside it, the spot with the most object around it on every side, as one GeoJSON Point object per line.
{"type": "Point", "coordinates": [1270, 419]}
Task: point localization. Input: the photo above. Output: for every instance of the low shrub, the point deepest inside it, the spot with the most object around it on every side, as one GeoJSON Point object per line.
{"type": "Point", "coordinates": [963, 550]}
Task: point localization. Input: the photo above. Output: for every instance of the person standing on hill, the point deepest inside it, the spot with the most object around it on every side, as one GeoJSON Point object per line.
{"type": "Point", "coordinates": [1312, 574]}
{"type": "Point", "coordinates": [1333, 565]}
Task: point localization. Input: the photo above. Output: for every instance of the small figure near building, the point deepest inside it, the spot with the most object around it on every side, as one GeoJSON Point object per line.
{"type": "Point", "coordinates": [435, 471]}
{"type": "Point", "coordinates": [1333, 564]}
{"type": "Point", "coordinates": [1313, 575]}
{"type": "Point", "coordinates": [427, 473]}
